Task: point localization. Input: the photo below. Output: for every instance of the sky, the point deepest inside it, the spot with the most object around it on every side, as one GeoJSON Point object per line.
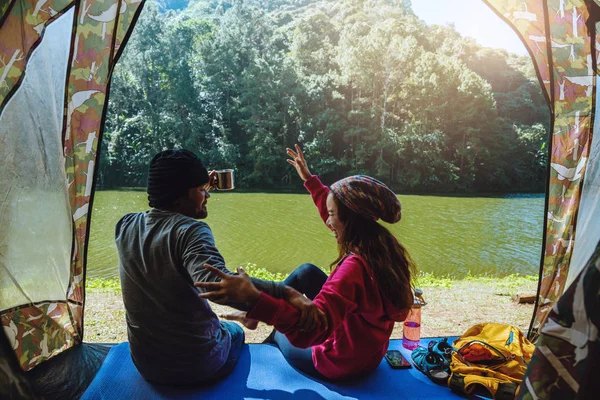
{"type": "Point", "coordinates": [472, 18]}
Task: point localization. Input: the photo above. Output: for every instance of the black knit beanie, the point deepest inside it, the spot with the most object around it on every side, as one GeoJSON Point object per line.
{"type": "Point", "coordinates": [171, 174]}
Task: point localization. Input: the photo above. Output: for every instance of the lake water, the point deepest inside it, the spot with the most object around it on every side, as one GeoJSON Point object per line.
{"type": "Point", "coordinates": [447, 236]}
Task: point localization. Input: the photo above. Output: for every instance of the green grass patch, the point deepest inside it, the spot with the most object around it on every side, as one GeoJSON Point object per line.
{"type": "Point", "coordinates": [103, 284]}
{"type": "Point", "coordinates": [506, 285]}
{"type": "Point", "coordinates": [262, 273]}
{"type": "Point", "coordinates": [502, 285]}
{"type": "Point", "coordinates": [114, 284]}
{"type": "Point", "coordinates": [427, 279]}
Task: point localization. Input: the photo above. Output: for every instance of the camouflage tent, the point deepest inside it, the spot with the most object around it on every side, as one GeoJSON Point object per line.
{"type": "Point", "coordinates": [567, 355]}
{"type": "Point", "coordinates": [561, 38]}
{"type": "Point", "coordinates": [56, 60]}
{"type": "Point", "coordinates": [563, 41]}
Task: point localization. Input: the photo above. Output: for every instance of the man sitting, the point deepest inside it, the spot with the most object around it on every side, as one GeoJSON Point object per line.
{"type": "Point", "coordinates": [175, 337]}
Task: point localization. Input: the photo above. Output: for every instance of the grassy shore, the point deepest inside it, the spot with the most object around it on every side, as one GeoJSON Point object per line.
{"type": "Point", "coordinates": [453, 306]}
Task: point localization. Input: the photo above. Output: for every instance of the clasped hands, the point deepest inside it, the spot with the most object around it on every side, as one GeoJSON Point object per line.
{"type": "Point", "coordinates": [240, 289]}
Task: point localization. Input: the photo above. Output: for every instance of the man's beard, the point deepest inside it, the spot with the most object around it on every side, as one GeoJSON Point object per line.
{"type": "Point", "coordinates": [202, 213]}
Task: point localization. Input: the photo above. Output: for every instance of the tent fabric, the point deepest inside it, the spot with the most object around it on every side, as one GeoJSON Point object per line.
{"type": "Point", "coordinates": [40, 327]}
{"type": "Point", "coordinates": [558, 40]}
{"type": "Point", "coordinates": [14, 385]}
{"type": "Point", "coordinates": [39, 330]}
{"type": "Point", "coordinates": [588, 216]}
{"type": "Point", "coordinates": [65, 376]}
{"type": "Point", "coordinates": [68, 375]}
{"type": "Point", "coordinates": [263, 373]}
{"type": "Point", "coordinates": [36, 193]}
{"type": "Point", "coordinates": [564, 363]}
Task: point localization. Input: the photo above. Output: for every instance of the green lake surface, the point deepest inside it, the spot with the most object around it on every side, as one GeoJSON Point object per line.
{"type": "Point", "coordinates": [447, 236]}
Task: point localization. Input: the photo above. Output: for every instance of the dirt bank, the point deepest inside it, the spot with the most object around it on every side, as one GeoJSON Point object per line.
{"type": "Point", "coordinates": [453, 306]}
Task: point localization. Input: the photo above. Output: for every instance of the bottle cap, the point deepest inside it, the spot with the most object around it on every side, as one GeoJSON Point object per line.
{"type": "Point", "coordinates": [419, 302]}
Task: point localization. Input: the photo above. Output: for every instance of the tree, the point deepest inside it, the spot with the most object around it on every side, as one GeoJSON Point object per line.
{"type": "Point", "coordinates": [363, 85]}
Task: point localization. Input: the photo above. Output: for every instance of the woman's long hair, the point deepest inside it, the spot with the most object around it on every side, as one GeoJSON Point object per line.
{"type": "Point", "coordinates": [391, 264]}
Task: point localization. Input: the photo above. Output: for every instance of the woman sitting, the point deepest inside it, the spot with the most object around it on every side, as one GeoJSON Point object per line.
{"type": "Point", "coordinates": [369, 289]}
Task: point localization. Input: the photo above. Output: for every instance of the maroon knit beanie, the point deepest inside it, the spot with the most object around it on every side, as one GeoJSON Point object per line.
{"type": "Point", "coordinates": [368, 197]}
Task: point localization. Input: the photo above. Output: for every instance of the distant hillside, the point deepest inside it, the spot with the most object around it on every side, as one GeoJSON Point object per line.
{"type": "Point", "coordinates": [165, 5]}
{"type": "Point", "coordinates": [268, 5]}
{"type": "Point", "coordinates": [364, 85]}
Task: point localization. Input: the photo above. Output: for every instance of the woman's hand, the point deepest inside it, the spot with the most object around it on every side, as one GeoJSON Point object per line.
{"type": "Point", "coordinates": [311, 316]}
{"type": "Point", "coordinates": [298, 162]}
{"type": "Point", "coordinates": [231, 289]}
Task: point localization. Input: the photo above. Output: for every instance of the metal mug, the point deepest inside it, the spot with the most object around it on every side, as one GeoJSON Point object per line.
{"type": "Point", "coordinates": [225, 179]}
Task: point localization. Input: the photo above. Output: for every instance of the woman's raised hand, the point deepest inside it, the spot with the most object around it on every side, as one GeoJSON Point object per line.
{"type": "Point", "coordinates": [298, 162]}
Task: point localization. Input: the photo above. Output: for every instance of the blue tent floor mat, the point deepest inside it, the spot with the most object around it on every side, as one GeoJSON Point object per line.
{"type": "Point", "coordinates": [263, 373]}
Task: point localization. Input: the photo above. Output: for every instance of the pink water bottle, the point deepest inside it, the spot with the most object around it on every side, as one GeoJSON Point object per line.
{"type": "Point", "coordinates": [411, 332]}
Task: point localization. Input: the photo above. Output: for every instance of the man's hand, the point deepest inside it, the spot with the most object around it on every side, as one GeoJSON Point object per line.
{"type": "Point", "coordinates": [231, 289]}
{"type": "Point", "coordinates": [310, 314]}
{"type": "Point", "coordinates": [212, 179]}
